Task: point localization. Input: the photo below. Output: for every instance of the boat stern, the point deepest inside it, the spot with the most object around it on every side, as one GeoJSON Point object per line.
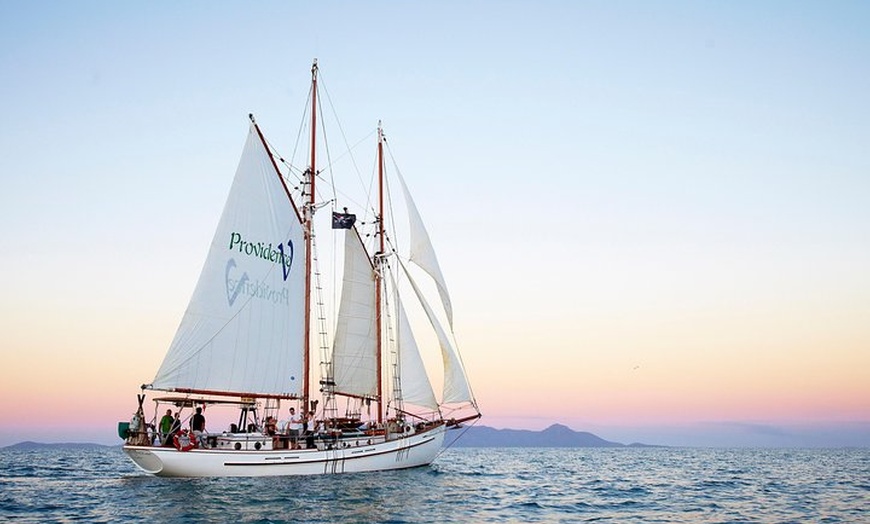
{"type": "Point", "coordinates": [145, 459]}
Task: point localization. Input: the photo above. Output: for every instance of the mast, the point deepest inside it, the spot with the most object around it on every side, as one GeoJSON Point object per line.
{"type": "Point", "coordinates": [379, 259]}
{"type": "Point", "coordinates": [309, 232]}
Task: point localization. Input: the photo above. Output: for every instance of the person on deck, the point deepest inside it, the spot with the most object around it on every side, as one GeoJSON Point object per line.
{"type": "Point", "coordinates": [310, 422]}
{"type": "Point", "coordinates": [197, 425]}
{"type": "Point", "coordinates": [309, 428]}
{"type": "Point", "coordinates": [292, 427]}
{"type": "Point", "coordinates": [166, 428]}
{"type": "Point", "coordinates": [270, 426]}
{"type": "Point", "coordinates": [270, 429]}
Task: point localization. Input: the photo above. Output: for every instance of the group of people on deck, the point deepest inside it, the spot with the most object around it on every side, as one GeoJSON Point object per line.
{"type": "Point", "coordinates": [291, 429]}
{"type": "Point", "coordinates": [170, 425]}
{"type": "Point", "coordinates": [289, 433]}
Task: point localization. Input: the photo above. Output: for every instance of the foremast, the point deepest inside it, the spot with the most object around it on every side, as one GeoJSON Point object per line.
{"type": "Point", "coordinates": [309, 208]}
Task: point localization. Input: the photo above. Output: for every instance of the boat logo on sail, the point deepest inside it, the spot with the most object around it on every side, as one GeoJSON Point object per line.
{"type": "Point", "coordinates": [234, 287]}
{"type": "Point", "coordinates": [264, 251]}
{"type": "Point", "coordinates": [252, 288]}
{"type": "Point", "coordinates": [256, 289]}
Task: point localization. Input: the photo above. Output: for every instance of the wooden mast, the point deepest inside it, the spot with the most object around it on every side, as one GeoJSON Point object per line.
{"type": "Point", "coordinates": [379, 271]}
{"type": "Point", "coordinates": [309, 232]}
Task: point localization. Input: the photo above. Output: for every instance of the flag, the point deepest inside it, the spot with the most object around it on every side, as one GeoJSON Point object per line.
{"type": "Point", "coordinates": [342, 220]}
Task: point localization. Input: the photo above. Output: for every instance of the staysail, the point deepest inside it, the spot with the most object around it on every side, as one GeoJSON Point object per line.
{"type": "Point", "coordinates": [354, 353]}
{"type": "Point", "coordinates": [456, 388]}
{"type": "Point", "coordinates": [243, 330]}
{"type": "Point", "coordinates": [421, 251]}
{"type": "Point", "coordinates": [416, 388]}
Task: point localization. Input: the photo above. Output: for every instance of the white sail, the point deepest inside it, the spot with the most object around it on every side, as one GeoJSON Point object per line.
{"type": "Point", "coordinates": [456, 388]}
{"type": "Point", "coordinates": [416, 388]}
{"type": "Point", "coordinates": [354, 357]}
{"type": "Point", "coordinates": [422, 253]}
{"type": "Point", "coordinates": [243, 330]}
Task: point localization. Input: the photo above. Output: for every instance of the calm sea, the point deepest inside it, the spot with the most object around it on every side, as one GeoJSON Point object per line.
{"type": "Point", "coordinates": [464, 485]}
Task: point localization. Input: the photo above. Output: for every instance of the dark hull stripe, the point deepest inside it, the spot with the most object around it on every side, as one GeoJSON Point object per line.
{"type": "Point", "coordinates": [337, 459]}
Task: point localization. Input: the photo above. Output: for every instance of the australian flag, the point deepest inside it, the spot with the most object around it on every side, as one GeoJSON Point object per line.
{"type": "Point", "coordinates": [342, 220]}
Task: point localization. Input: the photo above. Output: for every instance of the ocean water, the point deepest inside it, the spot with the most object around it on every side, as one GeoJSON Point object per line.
{"type": "Point", "coordinates": [463, 485]}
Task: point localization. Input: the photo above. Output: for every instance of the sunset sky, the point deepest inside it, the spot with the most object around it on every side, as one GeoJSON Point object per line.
{"type": "Point", "coordinates": [654, 218]}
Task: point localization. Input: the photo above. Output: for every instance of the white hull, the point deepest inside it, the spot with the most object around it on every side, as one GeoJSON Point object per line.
{"type": "Point", "coordinates": [407, 452]}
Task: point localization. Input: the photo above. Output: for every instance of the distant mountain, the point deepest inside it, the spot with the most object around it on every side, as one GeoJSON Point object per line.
{"type": "Point", "coordinates": [28, 446]}
{"type": "Point", "coordinates": [555, 436]}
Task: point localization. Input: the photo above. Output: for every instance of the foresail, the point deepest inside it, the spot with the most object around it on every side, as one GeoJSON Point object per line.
{"type": "Point", "coordinates": [416, 388]}
{"type": "Point", "coordinates": [422, 253]}
{"type": "Point", "coordinates": [243, 330]}
{"type": "Point", "coordinates": [354, 354]}
{"type": "Point", "coordinates": [456, 388]}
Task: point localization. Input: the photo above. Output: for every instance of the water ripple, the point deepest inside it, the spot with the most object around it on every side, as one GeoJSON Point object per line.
{"type": "Point", "coordinates": [464, 485]}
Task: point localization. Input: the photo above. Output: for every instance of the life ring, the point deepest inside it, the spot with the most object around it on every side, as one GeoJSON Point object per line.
{"type": "Point", "coordinates": [191, 440]}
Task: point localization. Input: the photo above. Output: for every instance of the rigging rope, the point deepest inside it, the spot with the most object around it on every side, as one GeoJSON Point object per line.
{"type": "Point", "coordinates": [448, 446]}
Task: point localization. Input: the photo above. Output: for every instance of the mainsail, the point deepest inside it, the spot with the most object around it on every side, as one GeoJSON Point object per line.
{"type": "Point", "coordinates": [243, 330]}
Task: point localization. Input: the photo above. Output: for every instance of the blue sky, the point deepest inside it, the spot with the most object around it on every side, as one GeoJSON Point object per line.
{"type": "Point", "coordinates": [679, 186]}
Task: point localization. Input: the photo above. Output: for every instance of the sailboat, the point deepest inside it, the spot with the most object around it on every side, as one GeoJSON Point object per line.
{"type": "Point", "coordinates": [258, 319]}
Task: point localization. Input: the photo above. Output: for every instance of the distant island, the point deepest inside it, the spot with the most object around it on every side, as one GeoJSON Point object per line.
{"type": "Point", "coordinates": [30, 446]}
{"type": "Point", "coordinates": [555, 436]}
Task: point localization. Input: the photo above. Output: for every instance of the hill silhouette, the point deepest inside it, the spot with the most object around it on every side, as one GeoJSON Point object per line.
{"type": "Point", "coordinates": [555, 436]}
